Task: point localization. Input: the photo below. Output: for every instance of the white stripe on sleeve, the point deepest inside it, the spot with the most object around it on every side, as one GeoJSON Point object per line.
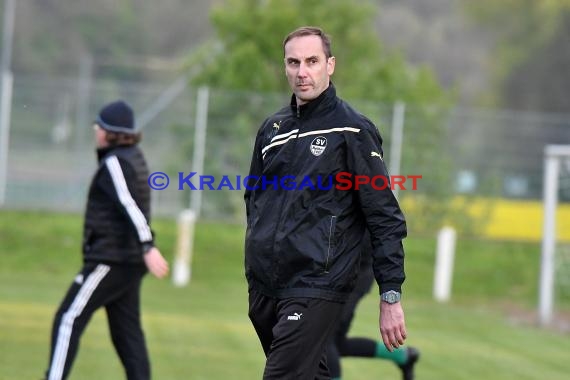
{"type": "Point", "coordinates": [126, 199]}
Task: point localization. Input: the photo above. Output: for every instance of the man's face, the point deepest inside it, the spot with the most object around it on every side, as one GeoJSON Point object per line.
{"type": "Point", "coordinates": [308, 70]}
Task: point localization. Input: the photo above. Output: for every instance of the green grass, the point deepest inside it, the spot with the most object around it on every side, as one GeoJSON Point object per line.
{"type": "Point", "coordinates": [202, 331]}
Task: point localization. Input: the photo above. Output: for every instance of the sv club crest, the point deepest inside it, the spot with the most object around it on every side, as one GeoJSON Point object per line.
{"type": "Point", "coordinates": [318, 145]}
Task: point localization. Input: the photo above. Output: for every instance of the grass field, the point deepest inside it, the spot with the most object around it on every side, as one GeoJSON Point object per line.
{"type": "Point", "coordinates": [202, 331]}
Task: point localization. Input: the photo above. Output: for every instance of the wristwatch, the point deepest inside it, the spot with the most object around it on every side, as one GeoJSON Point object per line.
{"type": "Point", "coordinates": [391, 296]}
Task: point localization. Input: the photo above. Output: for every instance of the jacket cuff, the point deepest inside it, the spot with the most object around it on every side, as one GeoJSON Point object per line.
{"type": "Point", "coordinates": [147, 246]}
{"type": "Point", "coordinates": [390, 286]}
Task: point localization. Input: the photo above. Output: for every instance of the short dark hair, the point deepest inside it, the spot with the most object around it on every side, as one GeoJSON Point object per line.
{"type": "Point", "coordinates": [118, 138]}
{"type": "Point", "coordinates": [310, 31]}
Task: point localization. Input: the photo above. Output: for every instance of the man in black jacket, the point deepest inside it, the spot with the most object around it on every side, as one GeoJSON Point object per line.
{"type": "Point", "coordinates": [118, 249]}
{"type": "Point", "coordinates": [304, 229]}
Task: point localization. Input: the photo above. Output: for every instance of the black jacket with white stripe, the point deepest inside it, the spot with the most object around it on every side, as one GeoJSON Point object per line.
{"type": "Point", "coordinates": [303, 234]}
{"type": "Point", "coordinates": [116, 228]}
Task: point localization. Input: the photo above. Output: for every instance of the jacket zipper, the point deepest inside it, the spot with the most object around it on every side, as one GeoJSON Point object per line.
{"type": "Point", "coordinates": [331, 235]}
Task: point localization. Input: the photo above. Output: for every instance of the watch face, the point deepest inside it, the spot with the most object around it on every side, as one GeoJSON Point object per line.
{"type": "Point", "coordinates": [391, 296]}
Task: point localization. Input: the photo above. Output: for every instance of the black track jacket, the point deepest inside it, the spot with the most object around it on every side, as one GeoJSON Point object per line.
{"type": "Point", "coordinates": [117, 216]}
{"type": "Point", "coordinates": [303, 233]}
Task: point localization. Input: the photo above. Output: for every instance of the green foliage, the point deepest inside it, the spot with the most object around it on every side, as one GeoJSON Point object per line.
{"type": "Point", "coordinates": [51, 36]}
{"type": "Point", "coordinates": [251, 33]}
{"type": "Point", "coordinates": [65, 31]}
{"type": "Point", "coordinates": [522, 28]}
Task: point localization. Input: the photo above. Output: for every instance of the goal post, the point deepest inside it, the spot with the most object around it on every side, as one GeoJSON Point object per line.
{"type": "Point", "coordinates": [556, 161]}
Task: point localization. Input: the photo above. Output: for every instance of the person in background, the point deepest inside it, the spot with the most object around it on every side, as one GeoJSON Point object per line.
{"type": "Point", "coordinates": [118, 250]}
{"type": "Point", "coordinates": [405, 357]}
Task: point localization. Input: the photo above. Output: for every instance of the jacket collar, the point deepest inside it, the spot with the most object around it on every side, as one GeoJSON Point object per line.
{"type": "Point", "coordinates": [102, 152]}
{"type": "Point", "coordinates": [326, 98]}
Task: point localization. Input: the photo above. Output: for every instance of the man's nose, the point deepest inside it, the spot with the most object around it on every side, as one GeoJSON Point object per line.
{"type": "Point", "coordinates": [302, 70]}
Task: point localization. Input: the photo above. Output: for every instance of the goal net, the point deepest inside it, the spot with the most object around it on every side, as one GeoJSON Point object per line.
{"type": "Point", "coordinates": [554, 286]}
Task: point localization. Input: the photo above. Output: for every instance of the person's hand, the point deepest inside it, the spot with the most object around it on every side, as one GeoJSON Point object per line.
{"type": "Point", "coordinates": [392, 325]}
{"type": "Point", "coordinates": [155, 263]}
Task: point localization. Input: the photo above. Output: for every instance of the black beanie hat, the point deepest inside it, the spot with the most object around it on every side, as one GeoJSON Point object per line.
{"type": "Point", "coordinates": [117, 117]}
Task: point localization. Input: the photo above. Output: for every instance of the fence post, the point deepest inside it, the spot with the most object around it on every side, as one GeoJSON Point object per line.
{"type": "Point", "coordinates": [5, 110]}
{"type": "Point", "coordinates": [396, 141]}
{"type": "Point", "coordinates": [444, 264]}
{"type": "Point", "coordinates": [199, 145]}
{"type": "Point", "coordinates": [6, 93]}
{"type": "Point", "coordinates": [546, 285]}
{"type": "Point", "coordinates": [182, 268]}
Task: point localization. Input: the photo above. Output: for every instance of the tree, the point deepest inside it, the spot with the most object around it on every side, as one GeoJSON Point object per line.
{"type": "Point", "coordinates": [251, 33]}
{"type": "Point", "coordinates": [124, 37]}
{"type": "Point", "coordinates": [532, 46]}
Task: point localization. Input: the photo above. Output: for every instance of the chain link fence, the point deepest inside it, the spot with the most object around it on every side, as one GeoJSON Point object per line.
{"type": "Point", "coordinates": [470, 152]}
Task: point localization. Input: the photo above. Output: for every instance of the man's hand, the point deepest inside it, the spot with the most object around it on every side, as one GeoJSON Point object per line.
{"type": "Point", "coordinates": [155, 263]}
{"type": "Point", "coordinates": [392, 325]}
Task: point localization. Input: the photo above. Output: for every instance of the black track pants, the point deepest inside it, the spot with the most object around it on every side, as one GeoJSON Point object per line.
{"type": "Point", "coordinates": [117, 288]}
{"type": "Point", "coordinates": [341, 344]}
{"type": "Point", "coordinates": [294, 333]}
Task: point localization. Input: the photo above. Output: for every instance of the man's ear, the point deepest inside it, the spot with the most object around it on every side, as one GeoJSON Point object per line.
{"type": "Point", "coordinates": [331, 61]}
